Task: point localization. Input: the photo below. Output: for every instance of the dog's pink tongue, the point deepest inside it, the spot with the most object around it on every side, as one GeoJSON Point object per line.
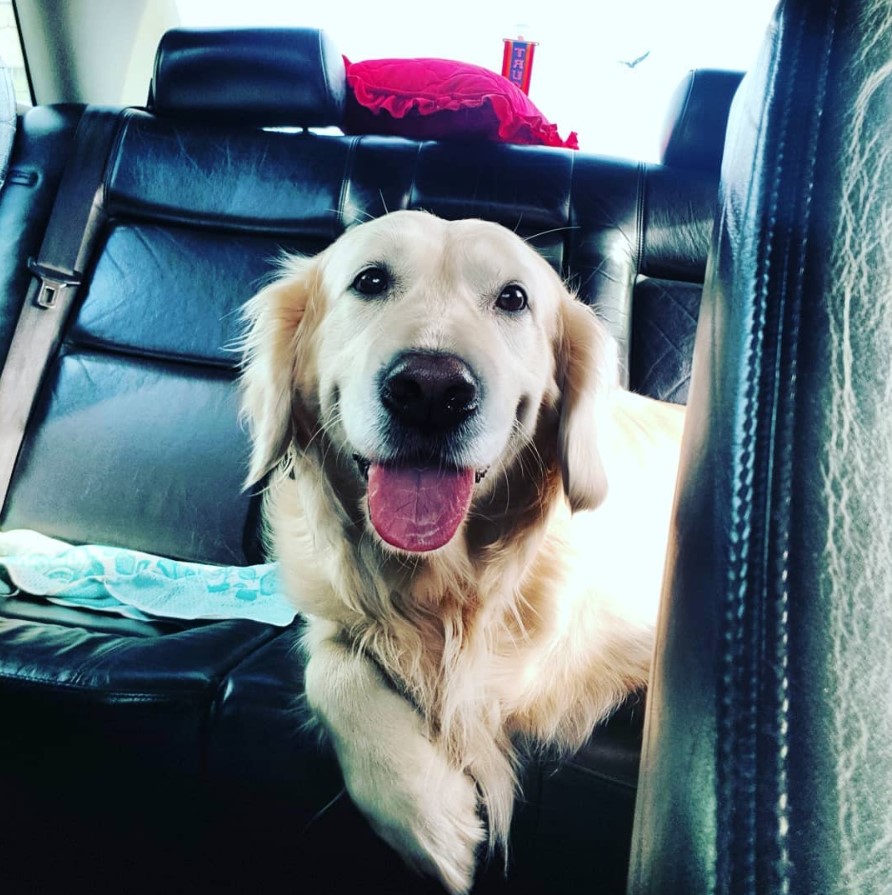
{"type": "Point", "coordinates": [418, 509]}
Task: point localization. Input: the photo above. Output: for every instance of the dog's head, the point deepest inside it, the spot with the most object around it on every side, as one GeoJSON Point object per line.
{"type": "Point", "coordinates": [423, 354]}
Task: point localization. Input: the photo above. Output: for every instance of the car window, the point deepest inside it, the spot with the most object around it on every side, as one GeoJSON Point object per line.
{"type": "Point", "coordinates": [604, 70]}
{"type": "Point", "coordinates": [11, 52]}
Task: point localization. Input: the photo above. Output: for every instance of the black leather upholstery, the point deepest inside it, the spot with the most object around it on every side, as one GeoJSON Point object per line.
{"type": "Point", "coordinates": [135, 442]}
{"type": "Point", "coordinates": [696, 119]}
{"type": "Point", "coordinates": [147, 354]}
{"type": "Point", "coordinates": [267, 77]}
{"type": "Point", "coordinates": [664, 321]}
{"type": "Point", "coordinates": [767, 767]}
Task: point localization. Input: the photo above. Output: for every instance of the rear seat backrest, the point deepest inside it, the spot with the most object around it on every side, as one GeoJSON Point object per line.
{"type": "Point", "coordinates": [139, 409]}
{"type": "Point", "coordinates": [666, 298]}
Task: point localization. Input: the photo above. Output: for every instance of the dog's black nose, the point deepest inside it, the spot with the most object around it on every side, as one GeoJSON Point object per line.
{"type": "Point", "coordinates": [429, 391]}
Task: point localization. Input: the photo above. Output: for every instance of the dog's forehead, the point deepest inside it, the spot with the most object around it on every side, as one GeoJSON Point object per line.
{"type": "Point", "coordinates": [422, 237]}
{"type": "Point", "coordinates": [397, 232]}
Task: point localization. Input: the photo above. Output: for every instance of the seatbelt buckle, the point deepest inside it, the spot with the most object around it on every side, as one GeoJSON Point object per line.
{"type": "Point", "coordinates": [51, 283]}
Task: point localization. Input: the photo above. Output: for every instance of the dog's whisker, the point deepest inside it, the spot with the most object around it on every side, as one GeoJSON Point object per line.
{"type": "Point", "coordinates": [565, 229]}
{"type": "Point", "coordinates": [317, 435]}
{"type": "Point", "coordinates": [324, 810]}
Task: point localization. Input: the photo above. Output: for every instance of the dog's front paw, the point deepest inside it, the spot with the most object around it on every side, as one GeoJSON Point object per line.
{"type": "Point", "coordinates": [425, 810]}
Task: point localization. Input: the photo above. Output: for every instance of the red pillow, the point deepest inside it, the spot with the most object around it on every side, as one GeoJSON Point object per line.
{"type": "Point", "coordinates": [436, 99]}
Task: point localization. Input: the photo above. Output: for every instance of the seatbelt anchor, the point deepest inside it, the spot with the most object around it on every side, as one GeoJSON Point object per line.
{"type": "Point", "coordinates": [52, 282]}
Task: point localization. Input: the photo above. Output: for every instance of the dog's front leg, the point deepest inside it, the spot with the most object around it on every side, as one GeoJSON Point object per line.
{"type": "Point", "coordinates": [398, 777]}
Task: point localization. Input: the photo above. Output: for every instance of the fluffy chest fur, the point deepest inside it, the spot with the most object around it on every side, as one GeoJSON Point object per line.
{"type": "Point", "coordinates": [451, 631]}
{"type": "Point", "coordinates": [463, 635]}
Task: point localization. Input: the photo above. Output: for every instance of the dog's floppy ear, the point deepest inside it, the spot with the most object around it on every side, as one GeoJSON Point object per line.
{"type": "Point", "coordinates": [586, 369]}
{"type": "Point", "coordinates": [279, 321]}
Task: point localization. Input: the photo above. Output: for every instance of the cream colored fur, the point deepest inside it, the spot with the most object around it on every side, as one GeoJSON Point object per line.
{"type": "Point", "coordinates": [536, 619]}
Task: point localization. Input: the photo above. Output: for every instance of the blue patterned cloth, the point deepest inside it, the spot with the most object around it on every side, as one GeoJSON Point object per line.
{"type": "Point", "coordinates": [138, 585]}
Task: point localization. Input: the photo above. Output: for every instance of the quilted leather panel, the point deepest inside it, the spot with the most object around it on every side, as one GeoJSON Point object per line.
{"type": "Point", "coordinates": [664, 326]}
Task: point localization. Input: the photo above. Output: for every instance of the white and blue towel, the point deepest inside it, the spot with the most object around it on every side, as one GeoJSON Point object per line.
{"type": "Point", "coordinates": [138, 585]}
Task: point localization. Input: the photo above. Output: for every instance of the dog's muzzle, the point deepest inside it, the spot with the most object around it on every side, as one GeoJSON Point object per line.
{"type": "Point", "coordinates": [420, 492]}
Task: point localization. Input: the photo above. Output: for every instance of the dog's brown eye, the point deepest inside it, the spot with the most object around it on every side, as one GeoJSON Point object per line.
{"type": "Point", "coordinates": [372, 281]}
{"type": "Point", "coordinates": [512, 298]}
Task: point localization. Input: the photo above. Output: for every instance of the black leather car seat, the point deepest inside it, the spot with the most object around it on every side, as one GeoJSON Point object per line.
{"type": "Point", "coordinates": [188, 735]}
{"type": "Point", "coordinates": [767, 766]}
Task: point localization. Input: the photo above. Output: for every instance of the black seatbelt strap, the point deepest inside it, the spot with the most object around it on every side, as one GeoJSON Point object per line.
{"type": "Point", "coordinates": [74, 223]}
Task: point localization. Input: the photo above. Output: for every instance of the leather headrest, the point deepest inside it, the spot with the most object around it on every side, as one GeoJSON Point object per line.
{"type": "Point", "coordinates": [263, 77]}
{"type": "Point", "coordinates": [694, 135]}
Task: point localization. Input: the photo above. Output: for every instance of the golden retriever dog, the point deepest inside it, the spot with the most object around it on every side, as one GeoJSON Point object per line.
{"type": "Point", "coordinates": [469, 512]}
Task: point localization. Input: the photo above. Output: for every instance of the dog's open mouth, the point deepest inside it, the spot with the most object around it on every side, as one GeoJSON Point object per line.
{"type": "Point", "coordinates": [417, 508]}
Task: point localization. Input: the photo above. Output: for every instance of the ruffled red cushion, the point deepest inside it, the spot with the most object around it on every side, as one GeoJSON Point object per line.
{"type": "Point", "coordinates": [437, 99]}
